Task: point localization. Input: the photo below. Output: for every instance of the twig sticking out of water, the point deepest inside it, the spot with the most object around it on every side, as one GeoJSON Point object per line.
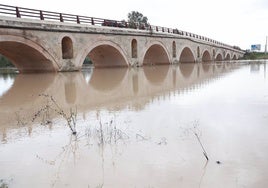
{"type": "Point", "coordinates": [70, 119]}
{"type": "Point", "coordinates": [196, 123]}
{"type": "Point", "coordinates": [108, 133]}
{"type": "Point", "coordinates": [204, 151]}
{"type": "Point", "coordinates": [140, 137]}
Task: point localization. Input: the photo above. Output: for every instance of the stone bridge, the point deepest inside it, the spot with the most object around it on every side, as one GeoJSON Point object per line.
{"type": "Point", "coordinates": [34, 45]}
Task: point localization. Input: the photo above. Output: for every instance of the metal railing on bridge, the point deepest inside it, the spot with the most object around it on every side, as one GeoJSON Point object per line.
{"type": "Point", "coordinates": [20, 12]}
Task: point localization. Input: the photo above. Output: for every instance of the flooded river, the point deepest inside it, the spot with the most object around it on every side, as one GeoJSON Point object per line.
{"type": "Point", "coordinates": [136, 128]}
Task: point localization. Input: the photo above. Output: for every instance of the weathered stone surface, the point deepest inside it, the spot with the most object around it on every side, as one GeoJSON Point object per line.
{"type": "Point", "coordinates": [39, 46]}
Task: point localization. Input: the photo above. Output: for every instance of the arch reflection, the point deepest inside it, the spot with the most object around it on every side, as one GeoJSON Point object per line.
{"type": "Point", "coordinates": [186, 69]}
{"type": "Point", "coordinates": [156, 74]}
{"type": "Point", "coordinates": [206, 66]}
{"type": "Point", "coordinates": [107, 79]}
{"type": "Point", "coordinates": [27, 87]}
{"type": "Point", "coordinates": [113, 89]}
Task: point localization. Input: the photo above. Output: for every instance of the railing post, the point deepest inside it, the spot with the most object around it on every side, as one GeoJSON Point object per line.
{"type": "Point", "coordinates": [156, 28]}
{"type": "Point", "coordinates": [17, 12]}
{"type": "Point", "coordinates": [163, 29]}
{"type": "Point", "coordinates": [77, 19]}
{"type": "Point", "coordinates": [61, 18]}
{"type": "Point", "coordinates": [92, 21]}
{"type": "Point", "coordinates": [41, 15]}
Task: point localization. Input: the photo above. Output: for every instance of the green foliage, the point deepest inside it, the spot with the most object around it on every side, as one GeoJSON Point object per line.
{"type": "Point", "coordinates": [87, 61]}
{"type": "Point", "coordinates": [4, 62]}
{"type": "Point", "coordinates": [255, 55]}
{"type": "Point", "coordinates": [136, 19]}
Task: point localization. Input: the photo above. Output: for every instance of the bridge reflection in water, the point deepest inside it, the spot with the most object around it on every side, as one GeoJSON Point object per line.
{"type": "Point", "coordinates": [106, 88]}
{"type": "Point", "coordinates": [112, 89]}
{"type": "Point", "coordinates": [149, 142]}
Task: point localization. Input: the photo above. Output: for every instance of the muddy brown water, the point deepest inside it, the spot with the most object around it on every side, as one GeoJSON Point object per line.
{"type": "Point", "coordinates": [136, 127]}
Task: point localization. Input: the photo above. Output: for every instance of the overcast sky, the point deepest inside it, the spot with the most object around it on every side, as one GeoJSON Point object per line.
{"type": "Point", "coordinates": [235, 22]}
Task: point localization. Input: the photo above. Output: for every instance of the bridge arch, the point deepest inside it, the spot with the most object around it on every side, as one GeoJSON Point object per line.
{"type": "Point", "coordinates": [219, 57]}
{"type": "Point", "coordinates": [105, 54]}
{"type": "Point", "coordinates": [187, 56]}
{"type": "Point", "coordinates": [228, 57]}
{"type": "Point", "coordinates": [234, 57]}
{"type": "Point", "coordinates": [27, 55]}
{"type": "Point", "coordinates": [206, 57]}
{"type": "Point", "coordinates": [156, 53]}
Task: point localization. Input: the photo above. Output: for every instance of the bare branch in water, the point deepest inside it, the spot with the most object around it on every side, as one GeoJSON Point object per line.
{"type": "Point", "coordinates": [53, 105]}
{"type": "Point", "coordinates": [196, 123]}
{"type": "Point", "coordinates": [193, 128]}
{"type": "Point", "coordinates": [204, 151]}
{"type": "Point", "coordinates": [140, 137]}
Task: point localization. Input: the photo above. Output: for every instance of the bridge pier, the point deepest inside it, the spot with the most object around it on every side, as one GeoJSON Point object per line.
{"type": "Point", "coordinates": [68, 66]}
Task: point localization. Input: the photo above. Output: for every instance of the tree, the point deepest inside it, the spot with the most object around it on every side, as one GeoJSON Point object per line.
{"type": "Point", "coordinates": [4, 62]}
{"type": "Point", "coordinates": [137, 20]}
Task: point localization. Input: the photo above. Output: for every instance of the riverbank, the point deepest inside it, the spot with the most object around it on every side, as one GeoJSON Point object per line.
{"type": "Point", "coordinates": [255, 55]}
{"type": "Point", "coordinates": [8, 70]}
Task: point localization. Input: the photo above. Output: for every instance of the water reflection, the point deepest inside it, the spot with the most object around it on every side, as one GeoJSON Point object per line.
{"type": "Point", "coordinates": [86, 84]}
{"type": "Point", "coordinates": [26, 88]}
{"type": "Point", "coordinates": [156, 74]}
{"type": "Point", "coordinates": [255, 67]}
{"type": "Point", "coordinates": [103, 88]}
{"type": "Point", "coordinates": [6, 81]}
{"type": "Point", "coordinates": [206, 67]}
{"type": "Point", "coordinates": [107, 79]}
{"type": "Point", "coordinates": [70, 92]}
{"type": "Point", "coordinates": [134, 128]}
{"type": "Point", "coordinates": [187, 69]}
{"type": "Point", "coordinates": [135, 83]}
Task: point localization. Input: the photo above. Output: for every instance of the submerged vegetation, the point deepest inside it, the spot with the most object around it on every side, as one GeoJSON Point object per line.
{"type": "Point", "coordinates": [3, 183]}
{"type": "Point", "coordinates": [195, 132]}
{"type": "Point", "coordinates": [44, 114]}
{"type": "Point", "coordinates": [52, 105]}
